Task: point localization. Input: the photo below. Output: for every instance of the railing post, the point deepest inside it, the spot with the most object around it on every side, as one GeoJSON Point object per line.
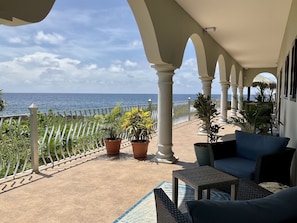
{"type": "Point", "coordinates": [34, 138]}
{"type": "Point", "coordinates": [150, 105]}
{"type": "Point", "coordinates": [189, 108]}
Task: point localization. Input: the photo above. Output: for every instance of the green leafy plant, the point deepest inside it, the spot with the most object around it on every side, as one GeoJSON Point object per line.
{"type": "Point", "coordinates": [14, 146]}
{"type": "Point", "coordinates": [206, 111]}
{"type": "Point", "coordinates": [2, 102]}
{"type": "Point", "coordinates": [265, 92]}
{"type": "Point", "coordinates": [111, 123]}
{"type": "Point", "coordinates": [254, 118]}
{"type": "Point", "coordinates": [138, 124]}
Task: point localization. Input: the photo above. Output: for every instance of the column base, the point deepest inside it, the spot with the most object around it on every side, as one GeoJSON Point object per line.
{"type": "Point", "coordinates": [233, 113]}
{"type": "Point", "coordinates": [223, 120]}
{"type": "Point", "coordinates": [165, 156]}
{"type": "Point", "coordinates": [170, 160]}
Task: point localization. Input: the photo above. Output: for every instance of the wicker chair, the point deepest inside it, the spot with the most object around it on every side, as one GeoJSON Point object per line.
{"type": "Point", "coordinates": [168, 213]}
{"type": "Point", "coordinates": [166, 210]}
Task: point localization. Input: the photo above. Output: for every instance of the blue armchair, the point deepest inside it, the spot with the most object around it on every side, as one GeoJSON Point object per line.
{"type": "Point", "coordinates": [260, 158]}
{"type": "Point", "coordinates": [278, 207]}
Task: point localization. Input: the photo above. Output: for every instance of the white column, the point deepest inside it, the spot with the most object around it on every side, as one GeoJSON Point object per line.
{"type": "Point", "coordinates": [240, 99]}
{"type": "Point", "coordinates": [165, 75]}
{"type": "Point", "coordinates": [224, 100]}
{"type": "Point", "coordinates": [206, 85]}
{"type": "Point", "coordinates": [234, 101]}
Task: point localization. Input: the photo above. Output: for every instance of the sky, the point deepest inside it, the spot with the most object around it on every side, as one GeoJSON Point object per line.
{"type": "Point", "coordinates": [89, 46]}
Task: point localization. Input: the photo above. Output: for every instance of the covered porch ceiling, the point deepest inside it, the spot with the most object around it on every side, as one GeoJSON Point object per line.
{"type": "Point", "coordinates": [20, 12]}
{"type": "Point", "coordinates": [251, 31]}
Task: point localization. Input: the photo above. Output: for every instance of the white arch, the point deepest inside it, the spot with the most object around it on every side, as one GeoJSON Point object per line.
{"type": "Point", "coordinates": [200, 53]}
{"type": "Point", "coordinates": [222, 68]}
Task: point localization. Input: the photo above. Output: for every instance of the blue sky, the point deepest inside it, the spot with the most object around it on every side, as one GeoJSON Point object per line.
{"type": "Point", "coordinates": [89, 46]}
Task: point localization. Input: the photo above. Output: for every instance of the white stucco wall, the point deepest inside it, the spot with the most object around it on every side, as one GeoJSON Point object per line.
{"type": "Point", "coordinates": [288, 108]}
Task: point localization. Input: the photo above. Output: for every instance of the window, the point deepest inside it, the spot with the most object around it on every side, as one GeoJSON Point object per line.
{"type": "Point", "coordinates": [279, 93]}
{"type": "Point", "coordinates": [286, 85]}
{"type": "Point", "coordinates": [293, 89]}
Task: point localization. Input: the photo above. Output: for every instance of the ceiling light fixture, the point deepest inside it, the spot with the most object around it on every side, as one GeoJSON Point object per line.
{"type": "Point", "coordinates": [210, 29]}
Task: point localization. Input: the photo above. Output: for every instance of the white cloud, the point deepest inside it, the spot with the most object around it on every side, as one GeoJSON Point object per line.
{"type": "Point", "coordinates": [46, 72]}
{"type": "Point", "coordinates": [190, 63]}
{"type": "Point", "coordinates": [92, 67]}
{"type": "Point", "coordinates": [136, 44]}
{"type": "Point", "coordinates": [51, 38]}
{"type": "Point", "coordinates": [14, 40]}
{"type": "Point", "coordinates": [129, 63]}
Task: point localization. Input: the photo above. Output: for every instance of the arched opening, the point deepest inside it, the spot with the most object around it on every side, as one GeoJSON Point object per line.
{"type": "Point", "coordinates": [221, 88]}
{"type": "Point", "coordinates": [186, 79]}
{"type": "Point", "coordinates": [216, 87]}
{"type": "Point", "coordinates": [264, 87]}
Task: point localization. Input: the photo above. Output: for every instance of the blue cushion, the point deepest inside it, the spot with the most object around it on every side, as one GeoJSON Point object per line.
{"type": "Point", "coordinates": [279, 207]}
{"type": "Point", "coordinates": [250, 146]}
{"type": "Point", "coordinates": [237, 166]}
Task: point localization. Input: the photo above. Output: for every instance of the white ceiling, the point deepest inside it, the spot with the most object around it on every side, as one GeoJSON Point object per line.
{"type": "Point", "coordinates": [250, 30]}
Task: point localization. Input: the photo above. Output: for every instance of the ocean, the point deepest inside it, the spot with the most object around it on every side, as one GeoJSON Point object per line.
{"type": "Point", "coordinates": [18, 103]}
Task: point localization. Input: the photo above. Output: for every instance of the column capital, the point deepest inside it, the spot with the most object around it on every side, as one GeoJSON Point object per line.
{"type": "Point", "coordinates": [203, 78]}
{"type": "Point", "coordinates": [164, 67]}
{"type": "Point", "coordinates": [206, 85]}
{"type": "Point", "coordinates": [225, 83]}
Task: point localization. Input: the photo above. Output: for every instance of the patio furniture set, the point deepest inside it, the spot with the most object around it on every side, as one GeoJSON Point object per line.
{"type": "Point", "coordinates": [237, 167]}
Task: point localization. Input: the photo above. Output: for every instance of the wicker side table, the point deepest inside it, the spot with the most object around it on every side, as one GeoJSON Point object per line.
{"type": "Point", "coordinates": [200, 178]}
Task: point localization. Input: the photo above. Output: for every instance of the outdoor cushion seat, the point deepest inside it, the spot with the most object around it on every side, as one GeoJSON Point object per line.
{"type": "Point", "coordinates": [278, 207]}
{"type": "Point", "coordinates": [256, 157]}
{"type": "Point", "coordinates": [237, 166]}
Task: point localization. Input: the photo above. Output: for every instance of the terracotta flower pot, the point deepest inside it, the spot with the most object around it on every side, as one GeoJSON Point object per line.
{"type": "Point", "coordinates": [140, 149]}
{"type": "Point", "coordinates": [113, 146]}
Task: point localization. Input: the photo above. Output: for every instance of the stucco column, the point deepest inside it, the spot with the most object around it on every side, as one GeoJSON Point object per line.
{"type": "Point", "coordinates": [224, 101]}
{"type": "Point", "coordinates": [165, 74]}
{"type": "Point", "coordinates": [206, 85]}
{"type": "Point", "coordinates": [240, 99]}
{"type": "Point", "coordinates": [234, 101]}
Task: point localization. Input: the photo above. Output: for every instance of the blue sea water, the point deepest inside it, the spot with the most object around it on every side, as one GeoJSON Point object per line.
{"type": "Point", "coordinates": [18, 103]}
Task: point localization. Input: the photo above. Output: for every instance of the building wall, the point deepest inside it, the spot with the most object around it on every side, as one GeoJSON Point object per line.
{"type": "Point", "coordinates": [288, 109]}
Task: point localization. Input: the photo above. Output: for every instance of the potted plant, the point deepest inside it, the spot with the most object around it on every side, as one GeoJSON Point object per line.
{"type": "Point", "coordinates": [139, 127]}
{"type": "Point", "coordinates": [206, 111]}
{"type": "Point", "coordinates": [111, 129]}
{"type": "Point", "coordinates": [256, 117]}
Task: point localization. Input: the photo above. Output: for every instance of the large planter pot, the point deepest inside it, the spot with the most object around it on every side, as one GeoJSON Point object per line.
{"type": "Point", "coordinates": [113, 146]}
{"type": "Point", "coordinates": [140, 149]}
{"type": "Point", "coordinates": [202, 152]}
